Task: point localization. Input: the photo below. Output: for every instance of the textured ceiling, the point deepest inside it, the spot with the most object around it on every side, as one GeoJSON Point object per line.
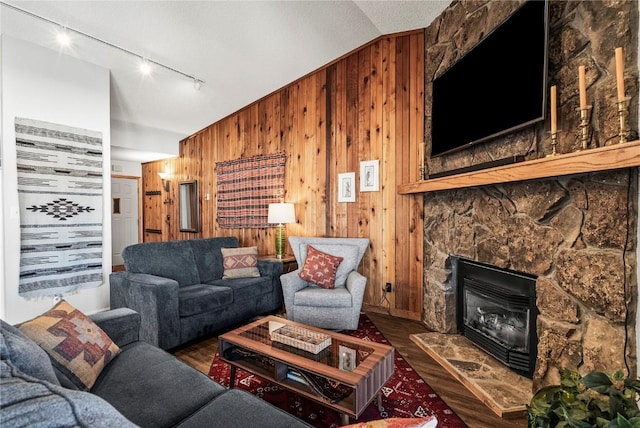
{"type": "Point", "coordinates": [243, 50]}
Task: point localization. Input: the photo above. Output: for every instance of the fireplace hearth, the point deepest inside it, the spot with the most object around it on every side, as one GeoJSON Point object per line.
{"type": "Point", "coordinates": [496, 310]}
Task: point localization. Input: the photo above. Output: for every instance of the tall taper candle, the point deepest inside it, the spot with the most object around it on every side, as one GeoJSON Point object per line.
{"type": "Point", "coordinates": [554, 115]}
{"type": "Point", "coordinates": [620, 73]}
{"type": "Point", "coordinates": [582, 83]}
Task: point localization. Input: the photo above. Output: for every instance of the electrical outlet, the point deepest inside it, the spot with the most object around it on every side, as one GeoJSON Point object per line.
{"type": "Point", "coordinates": [387, 287]}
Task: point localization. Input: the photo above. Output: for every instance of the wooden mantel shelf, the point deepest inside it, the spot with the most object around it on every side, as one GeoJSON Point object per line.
{"type": "Point", "coordinates": [625, 155]}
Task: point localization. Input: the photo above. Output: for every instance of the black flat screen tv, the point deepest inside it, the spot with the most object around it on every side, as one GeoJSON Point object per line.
{"type": "Point", "coordinates": [498, 87]}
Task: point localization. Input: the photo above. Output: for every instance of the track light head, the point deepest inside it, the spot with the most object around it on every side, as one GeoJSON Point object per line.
{"type": "Point", "coordinates": [145, 67]}
{"type": "Point", "coordinates": [63, 38]}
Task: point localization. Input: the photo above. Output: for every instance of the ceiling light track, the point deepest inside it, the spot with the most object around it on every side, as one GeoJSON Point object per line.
{"type": "Point", "coordinates": [197, 82]}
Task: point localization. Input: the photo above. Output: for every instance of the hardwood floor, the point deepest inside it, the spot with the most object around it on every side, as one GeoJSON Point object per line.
{"type": "Point", "coordinates": [397, 330]}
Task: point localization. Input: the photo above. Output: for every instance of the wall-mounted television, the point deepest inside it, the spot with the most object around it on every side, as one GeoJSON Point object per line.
{"type": "Point", "coordinates": [499, 86]}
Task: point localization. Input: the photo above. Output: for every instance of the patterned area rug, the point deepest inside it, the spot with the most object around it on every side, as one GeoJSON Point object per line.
{"type": "Point", "coordinates": [405, 395]}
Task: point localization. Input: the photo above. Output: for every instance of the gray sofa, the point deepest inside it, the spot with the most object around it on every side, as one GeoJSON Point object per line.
{"type": "Point", "coordinates": [178, 289]}
{"type": "Point", "coordinates": [143, 386]}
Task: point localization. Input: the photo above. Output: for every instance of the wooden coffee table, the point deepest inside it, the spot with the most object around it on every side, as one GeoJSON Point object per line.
{"type": "Point", "coordinates": [345, 376]}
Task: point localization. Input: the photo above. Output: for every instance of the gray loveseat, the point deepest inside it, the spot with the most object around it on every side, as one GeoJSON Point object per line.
{"type": "Point", "coordinates": [143, 385]}
{"type": "Point", "coordinates": [178, 289]}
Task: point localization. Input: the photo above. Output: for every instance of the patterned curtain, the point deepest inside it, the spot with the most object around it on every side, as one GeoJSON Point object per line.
{"type": "Point", "coordinates": [60, 196]}
{"type": "Point", "coordinates": [246, 187]}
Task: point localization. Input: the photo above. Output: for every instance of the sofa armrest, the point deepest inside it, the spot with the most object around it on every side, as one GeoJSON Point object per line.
{"type": "Point", "coordinates": [272, 268]}
{"type": "Point", "coordinates": [156, 300]}
{"type": "Point", "coordinates": [121, 325]}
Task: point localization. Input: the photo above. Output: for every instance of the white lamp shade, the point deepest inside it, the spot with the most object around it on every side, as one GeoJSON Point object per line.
{"type": "Point", "coordinates": [281, 213]}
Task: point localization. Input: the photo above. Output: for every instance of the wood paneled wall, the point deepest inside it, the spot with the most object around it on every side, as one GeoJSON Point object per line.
{"type": "Point", "coordinates": [368, 105]}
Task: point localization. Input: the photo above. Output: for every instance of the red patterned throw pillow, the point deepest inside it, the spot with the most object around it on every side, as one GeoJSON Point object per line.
{"type": "Point", "coordinates": [240, 262]}
{"type": "Point", "coordinates": [77, 347]}
{"type": "Point", "coordinates": [320, 268]}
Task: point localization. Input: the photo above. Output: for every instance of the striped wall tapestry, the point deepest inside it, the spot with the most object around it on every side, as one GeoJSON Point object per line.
{"type": "Point", "coordinates": [60, 196]}
{"type": "Point", "coordinates": [246, 187]}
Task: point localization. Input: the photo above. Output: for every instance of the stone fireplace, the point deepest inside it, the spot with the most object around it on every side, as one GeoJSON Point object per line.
{"type": "Point", "coordinates": [576, 233]}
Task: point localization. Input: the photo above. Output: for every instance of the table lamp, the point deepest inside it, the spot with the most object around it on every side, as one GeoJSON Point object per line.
{"type": "Point", "coordinates": [280, 214]}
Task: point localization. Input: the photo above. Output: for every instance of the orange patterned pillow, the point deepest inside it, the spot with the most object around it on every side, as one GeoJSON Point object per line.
{"type": "Point", "coordinates": [320, 268]}
{"type": "Point", "coordinates": [75, 344]}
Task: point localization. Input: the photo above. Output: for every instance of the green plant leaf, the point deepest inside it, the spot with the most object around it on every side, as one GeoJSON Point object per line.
{"type": "Point", "coordinates": [620, 422]}
{"type": "Point", "coordinates": [598, 381]}
{"type": "Point", "coordinates": [635, 422]}
{"type": "Point", "coordinates": [633, 384]}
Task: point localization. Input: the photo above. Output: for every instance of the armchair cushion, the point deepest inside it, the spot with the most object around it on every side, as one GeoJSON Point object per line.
{"type": "Point", "coordinates": [320, 268]}
{"type": "Point", "coordinates": [75, 344]}
{"type": "Point", "coordinates": [321, 297]}
{"type": "Point", "coordinates": [240, 262]}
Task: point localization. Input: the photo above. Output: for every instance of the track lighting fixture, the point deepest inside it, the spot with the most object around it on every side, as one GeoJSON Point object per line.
{"type": "Point", "coordinates": [64, 39]}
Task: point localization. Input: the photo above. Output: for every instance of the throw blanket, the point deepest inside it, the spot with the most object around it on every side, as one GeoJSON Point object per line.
{"type": "Point", "coordinates": [246, 187]}
{"type": "Point", "coordinates": [60, 196]}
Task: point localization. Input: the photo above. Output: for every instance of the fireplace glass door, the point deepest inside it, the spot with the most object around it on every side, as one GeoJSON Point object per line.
{"type": "Point", "coordinates": [497, 320]}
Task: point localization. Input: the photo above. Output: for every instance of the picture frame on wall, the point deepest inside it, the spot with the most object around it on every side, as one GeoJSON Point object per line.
{"type": "Point", "coordinates": [347, 187]}
{"type": "Point", "coordinates": [369, 176]}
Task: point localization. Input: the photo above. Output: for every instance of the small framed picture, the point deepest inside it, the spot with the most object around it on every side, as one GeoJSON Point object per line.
{"type": "Point", "coordinates": [369, 176]}
{"type": "Point", "coordinates": [346, 187]}
{"type": "Point", "coordinates": [347, 360]}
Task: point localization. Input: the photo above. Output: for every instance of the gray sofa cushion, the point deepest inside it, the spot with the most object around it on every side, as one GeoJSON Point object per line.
{"type": "Point", "coordinates": [237, 408]}
{"type": "Point", "coordinates": [247, 288]}
{"type": "Point", "coordinates": [29, 402]}
{"type": "Point", "coordinates": [27, 356]}
{"type": "Point", "coordinates": [198, 298]}
{"type": "Point", "coordinates": [172, 259]}
{"type": "Point", "coordinates": [208, 256]}
{"type": "Point", "coordinates": [152, 388]}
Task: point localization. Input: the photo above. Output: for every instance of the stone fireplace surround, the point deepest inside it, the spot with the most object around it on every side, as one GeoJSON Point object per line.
{"type": "Point", "coordinates": [576, 233]}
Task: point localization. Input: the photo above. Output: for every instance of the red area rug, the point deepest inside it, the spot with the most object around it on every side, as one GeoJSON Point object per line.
{"type": "Point", "coordinates": [405, 395]}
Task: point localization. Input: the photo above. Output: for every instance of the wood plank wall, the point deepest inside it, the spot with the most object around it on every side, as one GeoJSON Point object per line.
{"type": "Point", "coordinates": [368, 105]}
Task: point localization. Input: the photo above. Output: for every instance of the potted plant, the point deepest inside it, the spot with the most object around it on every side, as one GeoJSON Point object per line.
{"type": "Point", "coordinates": [597, 399]}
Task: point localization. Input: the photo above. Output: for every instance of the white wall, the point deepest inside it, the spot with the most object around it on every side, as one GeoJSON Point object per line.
{"type": "Point", "coordinates": [42, 84]}
{"type": "Point", "coordinates": [143, 138]}
{"type": "Point", "coordinates": [131, 169]}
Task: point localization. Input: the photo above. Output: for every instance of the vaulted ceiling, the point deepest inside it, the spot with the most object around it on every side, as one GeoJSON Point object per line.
{"type": "Point", "coordinates": [242, 50]}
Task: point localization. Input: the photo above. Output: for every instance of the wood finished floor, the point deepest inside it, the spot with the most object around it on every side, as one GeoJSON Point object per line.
{"type": "Point", "coordinates": [397, 330]}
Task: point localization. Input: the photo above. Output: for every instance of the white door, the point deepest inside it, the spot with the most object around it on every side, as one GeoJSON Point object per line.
{"type": "Point", "coordinates": [124, 216]}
